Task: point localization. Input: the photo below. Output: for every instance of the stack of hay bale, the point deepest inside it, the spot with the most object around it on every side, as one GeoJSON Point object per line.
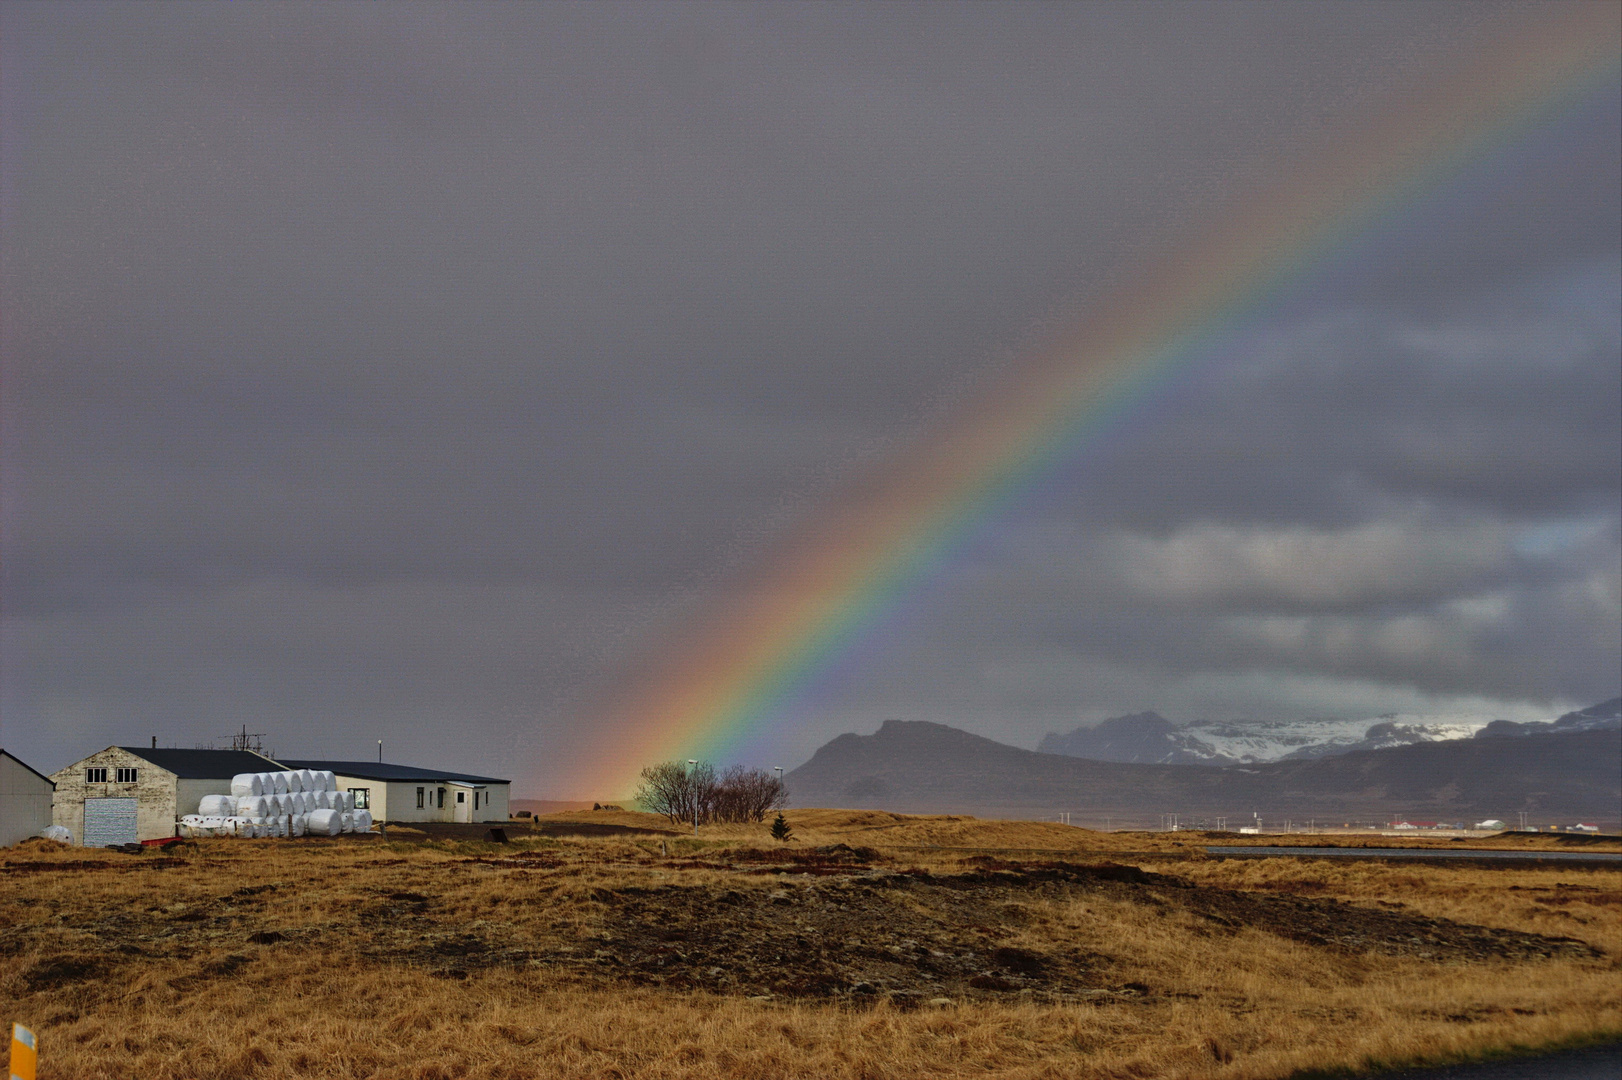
{"type": "Point", "coordinates": [293, 802]}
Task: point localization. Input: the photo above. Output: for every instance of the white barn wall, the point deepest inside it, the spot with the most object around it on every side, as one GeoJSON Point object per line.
{"type": "Point", "coordinates": [25, 801]}
{"type": "Point", "coordinates": [154, 791]}
{"type": "Point", "coordinates": [189, 793]}
{"type": "Point", "coordinates": [396, 800]}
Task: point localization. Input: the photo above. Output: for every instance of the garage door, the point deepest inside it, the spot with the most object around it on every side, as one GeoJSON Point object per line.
{"type": "Point", "coordinates": [109, 821]}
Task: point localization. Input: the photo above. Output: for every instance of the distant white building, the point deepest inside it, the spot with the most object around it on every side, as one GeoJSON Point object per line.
{"type": "Point", "coordinates": [1491, 823]}
{"type": "Point", "coordinates": [406, 793]}
{"type": "Point", "coordinates": [25, 800]}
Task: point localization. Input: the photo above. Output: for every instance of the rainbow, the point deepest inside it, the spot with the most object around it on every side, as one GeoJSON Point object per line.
{"type": "Point", "coordinates": [739, 668]}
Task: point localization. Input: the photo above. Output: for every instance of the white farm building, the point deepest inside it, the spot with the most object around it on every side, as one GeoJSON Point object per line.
{"type": "Point", "coordinates": [125, 794]}
{"type": "Point", "coordinates": [406, 793]}
{"type": "Point", "coordinates": [25, 800]}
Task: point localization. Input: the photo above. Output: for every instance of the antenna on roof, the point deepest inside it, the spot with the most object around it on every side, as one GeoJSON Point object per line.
{"type": "Point", "coordinates": [248, 740]}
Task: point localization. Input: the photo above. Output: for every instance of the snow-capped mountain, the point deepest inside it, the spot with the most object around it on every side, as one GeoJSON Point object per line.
{"type": "Point", "coordinates": [1150, 739]}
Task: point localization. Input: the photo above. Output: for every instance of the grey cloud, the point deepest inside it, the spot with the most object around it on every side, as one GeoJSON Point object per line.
{"type": "Point", "coordinates": [369, 367]}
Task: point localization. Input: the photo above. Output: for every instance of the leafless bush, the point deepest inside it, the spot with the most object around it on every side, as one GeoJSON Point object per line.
{"type": "Point", "coordinates": [695, 794]}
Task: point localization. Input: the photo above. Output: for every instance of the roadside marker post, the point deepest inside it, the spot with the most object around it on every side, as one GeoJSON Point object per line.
{"type": "Point", "coordinates": [24, 1053]}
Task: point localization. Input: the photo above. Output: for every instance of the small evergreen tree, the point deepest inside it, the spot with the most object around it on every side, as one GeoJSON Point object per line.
{"type": "Point", "coordinates": [780, 830]}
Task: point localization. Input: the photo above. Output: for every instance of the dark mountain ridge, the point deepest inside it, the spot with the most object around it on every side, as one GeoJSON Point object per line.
{"type": "Point", "coordinates": [925, 767]}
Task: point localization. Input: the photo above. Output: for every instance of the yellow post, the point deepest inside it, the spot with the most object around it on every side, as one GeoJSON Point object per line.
{"type": "Point", "coordinates": [24, 1053]}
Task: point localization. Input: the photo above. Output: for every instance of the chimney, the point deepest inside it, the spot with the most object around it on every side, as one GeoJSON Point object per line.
{"type": "Point", "coordinates": [154, 742]}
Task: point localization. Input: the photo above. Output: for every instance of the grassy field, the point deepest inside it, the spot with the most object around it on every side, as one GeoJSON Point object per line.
{"type": "Point", "coordinates": [875, 945]}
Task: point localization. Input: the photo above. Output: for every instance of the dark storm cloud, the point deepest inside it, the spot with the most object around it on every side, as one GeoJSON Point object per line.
{"type": "Point", "coordinates": [410, 369]}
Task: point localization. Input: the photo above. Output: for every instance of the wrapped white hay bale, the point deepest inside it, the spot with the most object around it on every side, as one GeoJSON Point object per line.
{"type": "Point", "coordinates": [295, 780]}
{"type": "Point", "coordinates": [279, 780]}
{"type": "Point", "coordinates": [328, 781]}
{"type": "Point", "coordinates": [342, 801]}
{"type": "Point", "coordinates": [247, 784]}
{"type": "Point", "coordinates": [307, 779]}
{"type": "Point", "coordinates": [59, 833]}
{"type": "Point", "coordinates": [253, 806]}
{"type": "Point", "coordinates": [348, 820]}
{"type": "Point", "coordinates": [363, 820]}
{"type": "Point", "coordinates": [296, 825]}
{"type": "Point", "coordinates": [323, 823]}
{"type": "Point", "coordinates": [323, 800]}
{"type": "Point", "coordinates": [240, 826]}
{"type": "Point", "coordinates": [217, 805]}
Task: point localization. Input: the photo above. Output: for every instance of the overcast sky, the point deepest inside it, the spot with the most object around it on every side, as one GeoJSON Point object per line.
{"type": "Point", "coordinates": [408, 372]}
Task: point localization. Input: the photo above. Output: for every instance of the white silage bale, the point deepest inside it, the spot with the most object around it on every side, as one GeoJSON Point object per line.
{"type": "Point", "coordinates": [322, 800]}
{"type": "Point", "coordinates": [253, 806]}
{"type": "Point", "coordinates": [342, 801]}
{"type": "Point", "coordinates": [308, 801]}
{"type": "Point", "coordinates": [295, 825]}
{"type": "Point", "coordinates": [324, 823]}
{"type": "Point", "coordinates": [307, 778]}
{"type": "Point", "coordinates": [247, 784]}
{"type": "Point", "coordinates": [348, 820]}
{"type": "Point", "coordinates": [279, 782]}
{"type": "Point", "coordinates": [217, 805]}
{"type": "Point", "coordinates": [295, 780]}
{"type": "Point", "coordinates": [363, 820]}
{"type": "Point", "coordinates": [240, 826]}
{"type": "Point", "coordinates": [329, 781]}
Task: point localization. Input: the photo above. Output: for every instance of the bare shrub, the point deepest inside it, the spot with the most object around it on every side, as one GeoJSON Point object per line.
{"type": "Point", "coordinates": [694, 794]}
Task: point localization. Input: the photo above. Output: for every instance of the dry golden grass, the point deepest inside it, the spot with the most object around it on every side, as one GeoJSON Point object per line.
{"type": "Point", "coordinates": [299, 958]}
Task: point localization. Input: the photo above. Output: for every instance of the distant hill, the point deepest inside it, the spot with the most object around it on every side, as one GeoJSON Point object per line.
{"type": "Point", "coordinates": [925, 767]}
{"type": "Point", "coordinates": [1606, 716]}
{"type": "Point", "coordinates": [1147, 738]}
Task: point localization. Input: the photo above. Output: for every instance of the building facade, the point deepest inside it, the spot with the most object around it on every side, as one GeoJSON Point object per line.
{"type": "Point", "coordinates": [125, 794]}
{"type": "Point", "coordinates": [405, 793]}
{"type": "Point", "coordinates": [25, 800]}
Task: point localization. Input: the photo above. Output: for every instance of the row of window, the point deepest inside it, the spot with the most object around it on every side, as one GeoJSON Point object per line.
{"type": "Point", "coordinates": [425, 799]}
{"type": "Point", "coordinates": [99, 776]}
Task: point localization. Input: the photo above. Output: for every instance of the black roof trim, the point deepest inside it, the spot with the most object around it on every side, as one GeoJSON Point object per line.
{"type": "Point", "coordinates": [24, 764]}
{"type": "Point", "coordinates": [204, 764]}
{"type": "Point", "coordinates": [385, 771]}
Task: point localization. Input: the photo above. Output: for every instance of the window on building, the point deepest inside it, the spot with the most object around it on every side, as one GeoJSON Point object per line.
{"type": "Point", "coordinates": [461, 796]}
{"type": "Point", "coordinates": [442, 798]}
{"type": "Point", "coordinates": [475, 800]}
{"type": "Point", "coordinates": [126, 776]}
{"type": "Point", "coordinates": [362, 797]}
{"type": "Point", "coordinates": [421, 795]}
{"type": "Point", "coordinates": [95, 776]}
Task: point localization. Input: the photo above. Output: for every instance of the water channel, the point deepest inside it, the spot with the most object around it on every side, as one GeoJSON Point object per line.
{"type": "Point", "coordinates": [1418, 853]}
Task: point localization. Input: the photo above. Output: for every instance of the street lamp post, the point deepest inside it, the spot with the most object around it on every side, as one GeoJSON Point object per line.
{"type": "Point", "coordinates": [694, 796]}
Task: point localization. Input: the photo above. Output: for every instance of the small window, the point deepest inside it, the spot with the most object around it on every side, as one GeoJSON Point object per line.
{"type": "Point", "coordinates": [126, 776]}
{"type": "Point", "coordinates": [461, 796]}
{"type": "Point", "coordinates": [362, 797]}
{"type": "Point", "coordinates": [442, 798]}
{"type": "Point", "coordinates": [95, 776]}
{"type": "Point", "coordinates": [420, 797]}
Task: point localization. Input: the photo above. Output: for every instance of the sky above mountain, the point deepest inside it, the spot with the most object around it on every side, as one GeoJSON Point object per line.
{"type": "Point", "coordinates": [416, 372]}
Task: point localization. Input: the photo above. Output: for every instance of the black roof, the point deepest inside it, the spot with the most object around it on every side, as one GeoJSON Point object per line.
{"type": "Point", "coordinates": [378, 770]}
{"type": "Point", "coordinates": [204, 764]}
{"type": "Point", "coordinates": [27, 766]}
